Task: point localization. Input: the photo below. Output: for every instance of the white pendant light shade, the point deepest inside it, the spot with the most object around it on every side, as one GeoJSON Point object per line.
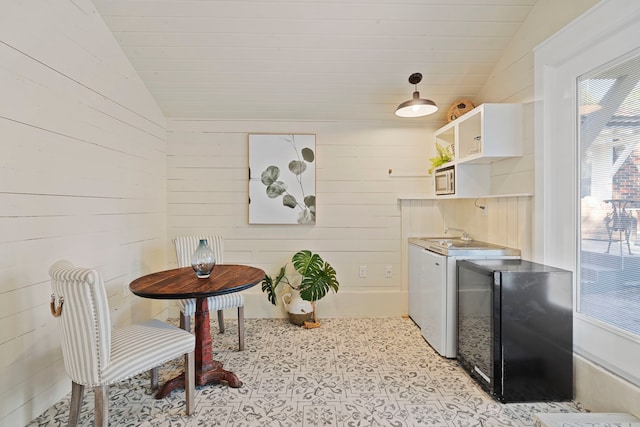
{"type": "Point", "coordinates": [416, 107]}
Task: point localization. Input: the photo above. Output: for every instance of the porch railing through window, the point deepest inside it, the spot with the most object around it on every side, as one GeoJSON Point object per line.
{"type": "Point", "coordinates": [609, 137]}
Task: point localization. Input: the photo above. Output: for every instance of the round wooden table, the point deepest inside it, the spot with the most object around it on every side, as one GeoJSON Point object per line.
{"type": "Point", "coordinates": [182, 283]}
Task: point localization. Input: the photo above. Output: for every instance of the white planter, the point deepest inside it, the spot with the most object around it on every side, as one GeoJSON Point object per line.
{"type": "Point", "coordinates": [299, 310]}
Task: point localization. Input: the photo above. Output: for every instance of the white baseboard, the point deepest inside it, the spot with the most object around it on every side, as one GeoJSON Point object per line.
{"type": "Point", "coordinates": [599, 390]}
{"type": "Point", "coordinates": [344, 304]}
{"type": "Point", "coordinates": [595, 419]}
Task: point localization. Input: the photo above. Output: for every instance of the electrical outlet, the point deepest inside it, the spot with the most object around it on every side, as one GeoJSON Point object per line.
{"type": "Point", "coordinates": [363, 271]}
{"type": "Point", "coordinates": [388, 271]}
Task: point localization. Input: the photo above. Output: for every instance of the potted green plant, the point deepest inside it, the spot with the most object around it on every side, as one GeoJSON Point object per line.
{"type": "Point", "coordinates": [444, 155]}
{"type": "Point", "coordinates": [316, 278]}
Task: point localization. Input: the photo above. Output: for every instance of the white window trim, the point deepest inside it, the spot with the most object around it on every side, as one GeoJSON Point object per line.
{"type": "Point", "coordinates": [607, 31]}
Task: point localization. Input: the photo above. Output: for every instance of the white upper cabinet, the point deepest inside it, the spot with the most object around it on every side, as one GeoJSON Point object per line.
{"type": "Point", "coordinates": [485, 134]}
{"type": "Point", "coordinates": [488, 133]}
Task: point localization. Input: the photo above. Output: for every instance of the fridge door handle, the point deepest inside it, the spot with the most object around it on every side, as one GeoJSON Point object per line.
{"type": "Point", "coordinates": [502, 370]}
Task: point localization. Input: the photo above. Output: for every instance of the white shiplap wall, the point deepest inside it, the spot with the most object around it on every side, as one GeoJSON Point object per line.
{"type": "Point", "coordinates": [79, 99]}
{"type": "Point", "coordinates": [358, 212]}
{"type": "Point", "coordinates": [509, 221]}
{"type": "Point", "coordinates": [505, 221]}
{"type": "Point", "coordinates": [82, 177]}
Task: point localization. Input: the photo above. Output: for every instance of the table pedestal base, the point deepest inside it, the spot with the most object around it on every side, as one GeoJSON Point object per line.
{"type": "Point", "coordinates": [216, 375]}
{"type": "Point", "coordinates": [207, 370]}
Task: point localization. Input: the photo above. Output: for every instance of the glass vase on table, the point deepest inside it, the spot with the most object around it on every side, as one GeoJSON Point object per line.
{"type": "Point", "coordinates": [202, 260]}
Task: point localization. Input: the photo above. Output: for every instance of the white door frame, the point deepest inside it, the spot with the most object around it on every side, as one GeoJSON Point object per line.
{"type": "Point", "coordinates": [607, 31]}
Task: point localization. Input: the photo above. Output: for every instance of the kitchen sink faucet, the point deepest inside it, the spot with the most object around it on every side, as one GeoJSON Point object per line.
{"type": "Point", "coordinates": [465, 235]}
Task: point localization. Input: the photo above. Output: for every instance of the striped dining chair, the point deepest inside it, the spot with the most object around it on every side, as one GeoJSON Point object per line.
{"type": "Point", "coordinates": [96, 355]}
{"type": "Point", "coordinates": [185, 247]}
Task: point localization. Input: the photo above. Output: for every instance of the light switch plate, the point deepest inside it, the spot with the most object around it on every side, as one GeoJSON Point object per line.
{"type": "Point", "coordinates": [388, 271]}
{"type": "Point", "coordinates": [363, 271]}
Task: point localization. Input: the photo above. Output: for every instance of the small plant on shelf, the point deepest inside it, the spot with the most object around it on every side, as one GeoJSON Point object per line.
{"type": "Point", "coordinates": [444, 155]}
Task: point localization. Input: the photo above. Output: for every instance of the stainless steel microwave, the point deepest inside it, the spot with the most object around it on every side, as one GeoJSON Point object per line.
{"type": "Point", "coordinates": [445, 181]}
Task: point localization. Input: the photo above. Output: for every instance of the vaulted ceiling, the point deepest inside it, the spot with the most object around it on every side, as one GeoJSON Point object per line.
{"type": "Point", "coordinates": [310, 59]}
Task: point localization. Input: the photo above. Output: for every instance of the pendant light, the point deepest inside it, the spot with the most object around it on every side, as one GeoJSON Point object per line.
{"type": "Point", "coordinates": [416, 107]}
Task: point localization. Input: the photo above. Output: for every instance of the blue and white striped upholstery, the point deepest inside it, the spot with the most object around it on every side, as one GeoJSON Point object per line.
{"type": "Point", "coordinates": [218, 302]}
{"type": "Point", "coordinates": [185, 247]}
{"type": "Point", "coordinates": [85, 325]}
{"type": "Point", "coordinates": [94, 354]}
{"type": "Point", "coordinates": [138, 348]}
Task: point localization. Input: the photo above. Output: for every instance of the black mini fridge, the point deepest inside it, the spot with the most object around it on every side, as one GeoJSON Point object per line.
{"type": "Point", "coordinates": [515, 329]}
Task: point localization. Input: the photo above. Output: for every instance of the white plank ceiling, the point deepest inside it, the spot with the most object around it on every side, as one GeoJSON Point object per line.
{"type": "Point", "coordinates": [310, 59]}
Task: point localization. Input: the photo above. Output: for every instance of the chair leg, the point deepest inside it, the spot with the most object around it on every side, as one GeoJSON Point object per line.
{"type": "Point", "coordinates": [190, 381]}
{"type": "Point", "coordinates": [77, 392]}
{"type": "Point", "coordinates": [185, 322]}
{"type": "Point", "coordinates": [241, 328]}
{"type": "Point", "coordinates": [221, 321]}
{"type": "Point", "coordinates": [154, 378]}
{"type": "Point", "coordinates": [102, 406]}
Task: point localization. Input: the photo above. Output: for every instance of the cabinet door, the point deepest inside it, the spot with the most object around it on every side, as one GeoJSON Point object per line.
{"type": "Point", "coordinates": [434, 298]}
{"type": "Point", "coordinates": [488, 133]}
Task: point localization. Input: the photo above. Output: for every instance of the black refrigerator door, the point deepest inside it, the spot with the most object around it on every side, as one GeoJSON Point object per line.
{"type": "Point", "coordinates": [476, 325]}
{"type": "Point", "coordinates": [537, 333]}
{"type": "Point", "coordinates": [520, 346]}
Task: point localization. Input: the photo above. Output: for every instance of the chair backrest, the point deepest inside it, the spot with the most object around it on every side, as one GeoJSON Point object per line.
{"type": "Point", "coordinates": [85, 324]}
{"type": "Point", "coordinates": [186, 246]}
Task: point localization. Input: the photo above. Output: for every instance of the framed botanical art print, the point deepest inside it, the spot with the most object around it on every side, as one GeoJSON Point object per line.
{"type": "Point", "coordinates": [282, 179]}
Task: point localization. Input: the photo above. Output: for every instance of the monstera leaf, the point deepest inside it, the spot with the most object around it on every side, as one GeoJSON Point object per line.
{"type": "Point", "coordinates": [318, 276]}
{"type": "Point", "coordinates": [269, 285]}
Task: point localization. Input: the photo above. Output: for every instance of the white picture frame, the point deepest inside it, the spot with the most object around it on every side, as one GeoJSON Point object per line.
{"type": "Point", "coordinates": [282, 179]}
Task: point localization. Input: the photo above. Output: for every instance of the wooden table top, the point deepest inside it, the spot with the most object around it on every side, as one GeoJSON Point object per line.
{"type": "Point", "coordinates": [182, 282]}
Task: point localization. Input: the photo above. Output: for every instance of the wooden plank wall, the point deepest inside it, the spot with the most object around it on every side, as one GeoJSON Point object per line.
{"type": "Point", "coordinates": [358, 212]}
{"type": "Point", "coordinates": [82, 177]}
{"type": "Point", "coordinates": [360, 220]}
{"type": "Point", "coordinates": [506, 221]}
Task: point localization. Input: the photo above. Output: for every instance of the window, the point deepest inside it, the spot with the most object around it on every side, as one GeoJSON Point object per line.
{"type": "Point", "coordinates": [572, 117]}
{"type": "Point", "coordinates": [609, 148]}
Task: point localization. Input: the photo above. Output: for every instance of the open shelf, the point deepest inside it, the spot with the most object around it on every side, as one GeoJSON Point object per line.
{"type": "Point", "coordinates": [488, 133]}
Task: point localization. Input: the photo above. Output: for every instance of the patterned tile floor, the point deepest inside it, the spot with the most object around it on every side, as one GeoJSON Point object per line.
{"type": "Point", "coordinates": [347, 373]}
